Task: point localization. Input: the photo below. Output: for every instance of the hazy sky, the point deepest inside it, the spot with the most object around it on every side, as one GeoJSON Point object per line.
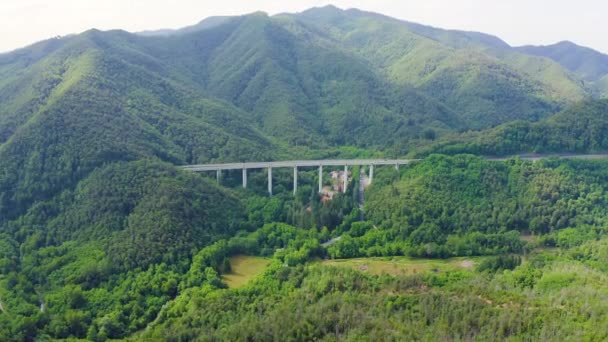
{"type": "Point", "coordinates": [518, 22]}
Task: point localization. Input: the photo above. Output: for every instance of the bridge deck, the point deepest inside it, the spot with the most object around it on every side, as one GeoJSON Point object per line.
{"type": "Point", "coordinates": [297, 163]}
{"type": "Point", "coordinates": [359, 162]}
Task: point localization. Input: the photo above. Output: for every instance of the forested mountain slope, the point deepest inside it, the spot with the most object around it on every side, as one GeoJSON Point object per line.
{"type": "Point", "coordinates": [477, 75]}
{"type": "Point", "coordinates": [325, 76]}
{"type": "Point", "coordinates": [96, 101]}
{"type": "Point", "coordinates": [228, 91]}
{"type": "Point", "coordinates": [112, 247]}
{"type": "Point", "coordinates": [299, 86]}
{"type": "Point", "coordinates": [464, 205]}
{"type": "Point", "coordinates": [581, 128]}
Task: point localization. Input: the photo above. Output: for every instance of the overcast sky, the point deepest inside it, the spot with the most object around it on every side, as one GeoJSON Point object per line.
{"type": "Point", "coordinates": [518, 22]}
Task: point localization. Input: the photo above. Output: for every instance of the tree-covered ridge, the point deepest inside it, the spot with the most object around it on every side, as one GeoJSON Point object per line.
{"type": "Point", "coordinates": [478, 76]}
{"type": "Point", "coordinates": [323, 77]}
{"type": "Point", "coordinates": [591, 65]}
{"type": "Point", "coordinates": [145, 212]}
{"type": "Point", "coordinates": [465, 205]}
{"type": "Point", "coordinates": [581, 128]}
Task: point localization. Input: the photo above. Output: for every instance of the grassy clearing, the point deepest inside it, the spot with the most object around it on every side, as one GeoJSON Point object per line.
{"type": "Point", "coordinates": [403, 265]}
{"type": "Point", "coordinates": [244, 268]}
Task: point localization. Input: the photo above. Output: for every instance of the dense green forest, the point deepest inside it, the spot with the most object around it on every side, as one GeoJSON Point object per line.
{"type": "Point", "coordinates": [103, 236]}
{"type": "Point", "coordinates": [140, 248]}
{"type": "Point", "coordinates": [554, 292]}
{"type": "Point", "coordinates": [549, 297]}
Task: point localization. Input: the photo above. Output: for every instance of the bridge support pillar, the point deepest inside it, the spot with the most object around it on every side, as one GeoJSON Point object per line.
{"type": "Point", "coordinates": [218, 176]}
{"type": "Point", "coordinates": [244, 178]}
{"type": "Point", "coordinates": [345, 178]}
{"type": "Point", "coordinates": [371, 173]}
{"type": "Point", "coordinates": [397, 167]}
{"type": "Point", "coordinates": [295, 179]}
{"type": "Point", "coordinates": [320, 178]}
{"type": "Point", "coordinates": [270, 181]}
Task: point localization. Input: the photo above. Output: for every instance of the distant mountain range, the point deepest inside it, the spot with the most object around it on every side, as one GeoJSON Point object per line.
{"type": "Point", "coordinates": [586, 63]}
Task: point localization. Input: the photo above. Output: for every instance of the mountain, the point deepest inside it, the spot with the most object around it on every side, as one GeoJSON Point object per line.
{"type": "Point", "coordinates": [95, 100]}
{"type": "Point", "coordinates": [252, 87]}
{"type": "Point", "coordinates": [587, 63]}
{"type": "Point", "coordinates": [296, 84]}
{"type": "Point", "coordinates": [325, 77]}
{"type": "Point", "coordinates": [476, 75]}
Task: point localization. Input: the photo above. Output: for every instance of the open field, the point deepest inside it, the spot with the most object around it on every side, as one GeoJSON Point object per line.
{"type": "Point", "coordinates": [403, 265]}
{"type": "Point", "coordinates": [243, 269]}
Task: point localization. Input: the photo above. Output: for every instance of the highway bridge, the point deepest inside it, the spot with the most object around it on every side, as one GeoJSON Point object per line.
{"type": "Point", "coordinates": [296, 164]}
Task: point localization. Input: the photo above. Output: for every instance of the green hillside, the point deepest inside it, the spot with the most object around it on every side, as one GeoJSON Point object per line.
{"type": "Point", "coordinates": [81, 254]}
{"type": "Point", "coordinates": [463, 205]}
{"type": "Point", "coordinates": [478, 77]}
{"type": "Point", "coordinates": [546, 298]}
{"type": "Point", "coordinates": [581, 128]}
{"type": "Point", "coordinates": [298, 86]}
{"type": "Point", "coordinates": [146, 212]}
{"type": "Point", "coordinates": [442, 206]}
{"type": "Point", "coordinates": [101, 105]}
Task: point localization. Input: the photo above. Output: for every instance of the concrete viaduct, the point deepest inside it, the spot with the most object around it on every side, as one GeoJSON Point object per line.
{"type": "Point", "coordinates": [295, 164]}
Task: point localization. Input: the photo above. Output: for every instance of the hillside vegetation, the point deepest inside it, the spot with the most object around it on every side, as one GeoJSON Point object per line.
{"type": "Point", "coordinates": [477, 76]}
{"type": "Point", "coordinates": [546, 298]}
{"type": "Point", "coordinates": [548, 294]}
{"type": "Point", "coordinates": [591, 65]}
{"type": "Point", "coordinates": [581, 128]}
